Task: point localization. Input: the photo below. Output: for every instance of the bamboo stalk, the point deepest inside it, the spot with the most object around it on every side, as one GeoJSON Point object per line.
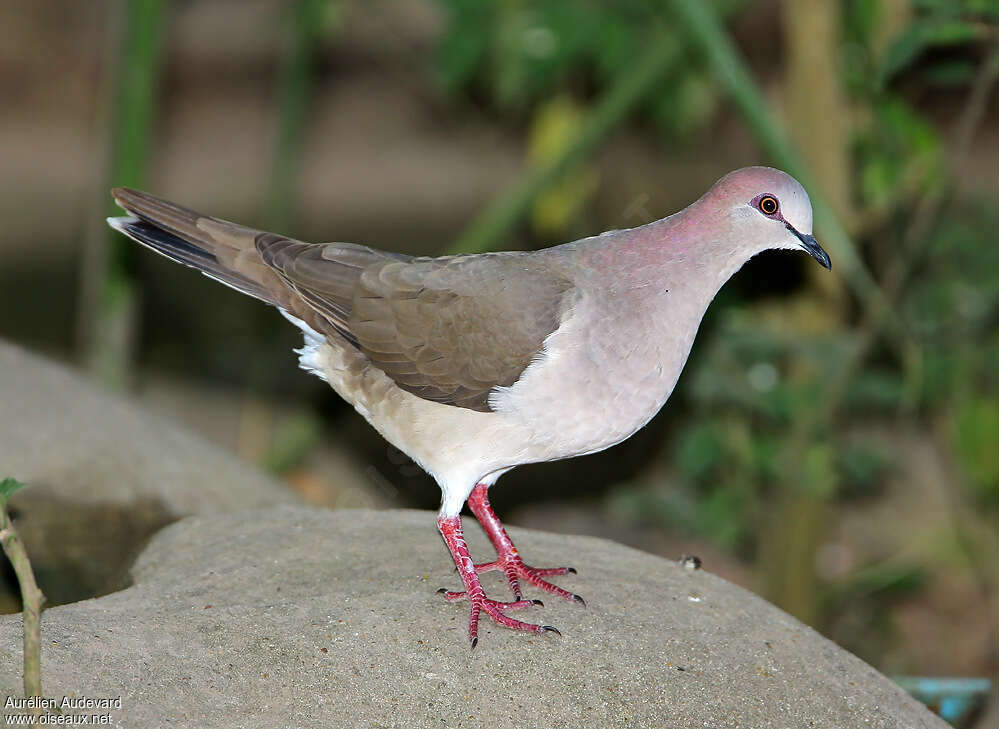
{"type": "Point", "coordinates": [294, 92]}
{"type": "Point", "coordinates": [108, 309]}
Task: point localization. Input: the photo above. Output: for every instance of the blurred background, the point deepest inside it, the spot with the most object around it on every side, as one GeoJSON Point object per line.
{"type": "Point", "coordinates": [834, 441]}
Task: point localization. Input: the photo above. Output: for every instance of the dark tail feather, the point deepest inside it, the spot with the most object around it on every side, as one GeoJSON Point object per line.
{"type": "Point", "coordinates": [168, 244]}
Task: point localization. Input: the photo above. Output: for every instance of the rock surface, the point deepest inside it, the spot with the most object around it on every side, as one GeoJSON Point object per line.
{"type": "Point", "coordinates": [63, 434]}
{"type": "Point", "coordinates": [103, 474]}
{"type": "Point", "coordinates": [299, 617]}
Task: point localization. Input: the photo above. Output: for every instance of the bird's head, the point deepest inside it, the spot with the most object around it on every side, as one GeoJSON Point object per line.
{"type": "Point", "coordinates": [766, 208]}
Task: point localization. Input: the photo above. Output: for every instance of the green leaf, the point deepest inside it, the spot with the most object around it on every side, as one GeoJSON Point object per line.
{"type": "Point", "coordinates": [463, 47]}
{"type": "Point", "coordinates": [919, 37]}
{"type": "Point", "coordinates": [950, 73]}
{"type": "Point", "coordinates": [884, 579]}
{"type": "Point", "coordinates": [987, 8]}
{"type": "Point", "coordinates": [898, 154]}
{"type": "Point", "coordinates": [7, 487]}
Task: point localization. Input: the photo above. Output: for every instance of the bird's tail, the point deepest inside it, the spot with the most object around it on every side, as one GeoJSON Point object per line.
{"type": "Point", "coordinates": [221, 250]}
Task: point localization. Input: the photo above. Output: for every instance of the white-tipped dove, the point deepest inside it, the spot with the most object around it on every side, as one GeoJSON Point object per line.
{"type": "Point", "coordinates": [475, 364]}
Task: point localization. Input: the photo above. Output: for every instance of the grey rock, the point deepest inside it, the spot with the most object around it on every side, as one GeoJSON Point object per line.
{"type": "Point", "coordinates": [299, 617]}
{"type": "Point", "coordinates": [64, 433]}
{"type": "Point", "coordinates": [103, 474]}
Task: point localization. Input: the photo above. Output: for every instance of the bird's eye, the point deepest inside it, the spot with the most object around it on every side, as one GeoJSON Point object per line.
{"type": "Point", "coordinates": [768, 205]}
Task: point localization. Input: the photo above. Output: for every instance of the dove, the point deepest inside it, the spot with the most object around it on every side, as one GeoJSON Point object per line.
{"type": "Point", "coordinates": [475, 364]}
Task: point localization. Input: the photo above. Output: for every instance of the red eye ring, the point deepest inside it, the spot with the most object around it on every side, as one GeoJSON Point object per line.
{"type": "Point", "coordinates": [768, 205]}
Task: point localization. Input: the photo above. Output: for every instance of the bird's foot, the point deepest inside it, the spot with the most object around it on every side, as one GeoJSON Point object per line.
{"type": "Point", "coordinates": [511, 565]}
{"type": "Point", "coordinates": [450, 528]}
{"type": "Point", "coordinates": [508, 560]}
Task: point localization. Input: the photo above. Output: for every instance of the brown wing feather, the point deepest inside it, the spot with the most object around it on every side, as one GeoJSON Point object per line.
{"type": "Point", "coordinates": [446, 329]}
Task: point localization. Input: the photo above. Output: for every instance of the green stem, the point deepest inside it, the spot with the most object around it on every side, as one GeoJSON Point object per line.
{"type": "Point", "coordinates": [294, 91]}
{"type": "Point", "coordinates": [31, 599]}
{"type": "Point", "coordinates": [110, 304]}
{"type": "Point", "coordinates": [137, 86]}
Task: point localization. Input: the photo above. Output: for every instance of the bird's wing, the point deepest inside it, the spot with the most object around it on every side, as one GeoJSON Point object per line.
{"type": "Point", "coordinates": [445, 329]}
{"type": "Point", "coordinates": [235, 254]}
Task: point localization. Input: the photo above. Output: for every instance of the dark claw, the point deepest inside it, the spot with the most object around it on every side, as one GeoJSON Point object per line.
{"type": "Point", "coordinates": [538, 603]}
{"type": "Point", "coordinates": [475, 642]}
{"type": "Point", "coordinates": [442, 591]}
{"type": "Point", "coordinates": [579, 599]}
{"type": "Point", "coordinates": [571, 570]}
{"type": "Point", "coordinates": [517, 598]}
{"type": "Point", "coordinates": [550, 629]}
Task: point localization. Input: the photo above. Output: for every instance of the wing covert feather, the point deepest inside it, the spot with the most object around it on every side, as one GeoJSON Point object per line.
{"type": "Point", "coordinates": [445, 329]}
{"type": "Point", "coordinates": [453, 329]}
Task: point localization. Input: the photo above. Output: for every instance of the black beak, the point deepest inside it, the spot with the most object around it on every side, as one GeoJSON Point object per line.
{"type": "Point", "coordinates": [811, 245]}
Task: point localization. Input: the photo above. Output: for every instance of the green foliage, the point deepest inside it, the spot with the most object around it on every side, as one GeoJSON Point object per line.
{"type": "Point", "coordinates": [956, 292]}
{"type": "Point", "coordinates": [898, 152]}
{"type": "Point", "coordinates": [700, 451]}
{"type": "Point", "coordinates": [818, 474]}
{"type": "Point", "coordinates": [862, 599]}
{"type": "Point", "coordinates": [974, 429]}
{"type": "Point", "coordinates": [558, 121]}
{"type": "Point", "coordinates": [862, 469]}
{"type": "Point", "coordinates": [873, 391]}
{"type": "Point", "coordinates": [7, 487]}
{"type": "Point", "coordinates": [936, 30]}
{"type": "Point", "coordinates": [520, 54]}
{"type": "Point", "coordinates": [945, 25]}
{"type": "Point", "coordinates": [952, 304]}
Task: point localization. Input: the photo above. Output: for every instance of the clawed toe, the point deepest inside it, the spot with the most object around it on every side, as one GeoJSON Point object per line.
{"type": "Point", "coordinates": [517, 570]}
{"type": "Point", "coordinates": [518, 604]}
{"type": "Point", "coordinates": [540, 629]}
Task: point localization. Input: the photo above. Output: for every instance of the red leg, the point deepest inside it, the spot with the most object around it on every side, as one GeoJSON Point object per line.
{"type": "Point", "coordinates": [450, 528]}
{"type": "Point", "coordinates": [509, 560]}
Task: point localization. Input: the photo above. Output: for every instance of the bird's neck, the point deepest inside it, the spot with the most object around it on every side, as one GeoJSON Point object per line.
{"type": "Point", "coordinates": [678, 256]}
